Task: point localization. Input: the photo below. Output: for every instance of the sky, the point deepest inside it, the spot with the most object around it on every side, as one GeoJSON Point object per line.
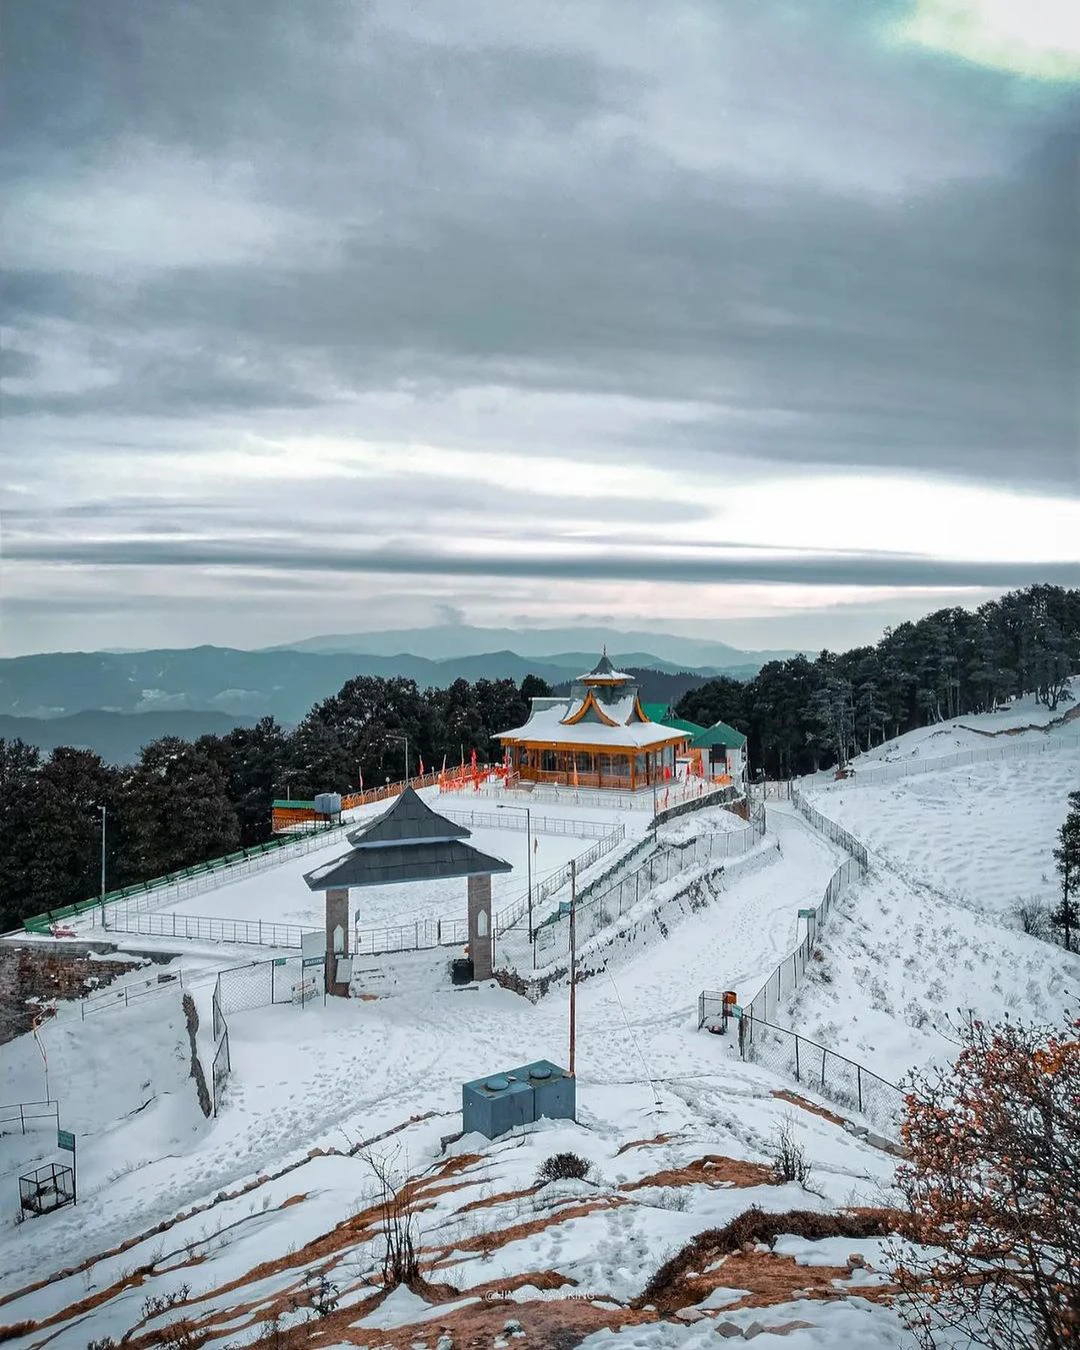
{"type": "Point", "coordinates": [752, 321]}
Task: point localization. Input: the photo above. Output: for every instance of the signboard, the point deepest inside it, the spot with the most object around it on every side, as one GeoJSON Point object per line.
{"type": "Point", "coordinates": [313, 945]}
{"type": "Point", "coordinates": [315, 960]}
{"type": "Point", "coordinates": [66, 1140]}
{"type": "Point", "coordinates": [280, 960]}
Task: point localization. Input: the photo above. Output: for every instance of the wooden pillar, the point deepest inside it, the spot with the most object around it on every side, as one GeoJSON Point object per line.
{"type": "Point", "coordinates": [480, 948]}
{"type": "Point", "coordinates": [337, 940]}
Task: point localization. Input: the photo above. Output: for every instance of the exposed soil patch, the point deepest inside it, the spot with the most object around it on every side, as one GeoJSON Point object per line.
{"type": "Point", "coordinates": [674, 1286]}
{"type": "Point", "coordinates": [786, 1095]}
{"type": "Point", "coordinates": [644, 1143]}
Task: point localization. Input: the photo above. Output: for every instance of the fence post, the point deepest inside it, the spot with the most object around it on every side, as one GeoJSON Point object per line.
{"type": "Point", "coordinates": [797, 1078]}
{"type": "Point", "coordinates": [824, 1052]}
{"type": "Point", "coordinates": [858, 1079]}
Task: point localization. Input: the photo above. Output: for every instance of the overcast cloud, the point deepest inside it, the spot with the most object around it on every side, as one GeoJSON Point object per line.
{"type": "Point", "coordinates": [683, 313]}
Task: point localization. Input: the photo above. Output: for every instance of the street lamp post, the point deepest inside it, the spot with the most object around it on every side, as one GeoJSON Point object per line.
{"type": "Point", "coordinates": [395, 737]}
{"type": "Point", "coordinates": [102, 810]}
{"type": "Point", "coordinates": [502, 806]}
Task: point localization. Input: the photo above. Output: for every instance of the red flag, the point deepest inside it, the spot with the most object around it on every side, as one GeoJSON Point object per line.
{"type": "Point", "coordinates": [536, 844]}
{"type": "Point", "coordinates": [361, 772]}
{"type": "Point", "coordinates": [473, 759]}
{"type": "Point", "coordinates": [421, 766]}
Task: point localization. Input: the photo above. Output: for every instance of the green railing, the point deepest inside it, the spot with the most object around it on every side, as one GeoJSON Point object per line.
{"type": "Point", "coordinates": [41, 923]}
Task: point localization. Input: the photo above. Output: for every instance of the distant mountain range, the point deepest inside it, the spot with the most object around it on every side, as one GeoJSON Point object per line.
{"type": "Point", "coordinates": [445, 642]}
{"type": "Point", "coordinates": [117, 737]}
{"type": "Point", "coordinates": [125, 699]}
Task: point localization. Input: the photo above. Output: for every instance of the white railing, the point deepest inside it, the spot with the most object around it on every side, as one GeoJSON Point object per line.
{"type": "Point", "coordinates": [644, 799]}
{"type": "Point", "coordinates": [892, 771]}
{"type": "Point", "coordinates": [513, 818]}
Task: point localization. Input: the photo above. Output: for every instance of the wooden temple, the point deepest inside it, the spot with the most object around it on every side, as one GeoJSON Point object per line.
{"type": "Point", "coordinates": [598, 736]}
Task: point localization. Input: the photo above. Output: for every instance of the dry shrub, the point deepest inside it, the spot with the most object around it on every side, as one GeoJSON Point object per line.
{"type": "Point", "coordinates": [992, 1188]}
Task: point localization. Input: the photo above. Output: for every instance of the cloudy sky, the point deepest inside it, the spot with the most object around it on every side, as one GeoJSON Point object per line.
{"type": "Point", "coordinates": [753, 320]}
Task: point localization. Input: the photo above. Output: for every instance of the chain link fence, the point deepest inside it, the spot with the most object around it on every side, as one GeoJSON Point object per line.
{"type": "Point", "coordinates": [834, 1076]}
{"type": "Point", "coordinates": [258, 985]}
{"type": "Point", "coordinates": [786, 1051]}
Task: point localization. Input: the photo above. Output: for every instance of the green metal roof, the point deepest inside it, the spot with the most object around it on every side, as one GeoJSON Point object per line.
{"type": "Point", "coordinates": [661, 713]}
{"type": "Point", "coordinates": [720, 734]}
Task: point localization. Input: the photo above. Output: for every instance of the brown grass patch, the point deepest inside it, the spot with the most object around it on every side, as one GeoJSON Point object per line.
{"type": "Point", "coordinates": [671, 1287]}
{"type": "Point", "coordinates": [713, 1170]}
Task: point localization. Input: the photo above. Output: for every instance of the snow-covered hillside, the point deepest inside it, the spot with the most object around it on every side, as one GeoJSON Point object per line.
{"type": "Point", "coordinates": [232, 1222]}
{"type": "Point", "coordinates": [931, 933]}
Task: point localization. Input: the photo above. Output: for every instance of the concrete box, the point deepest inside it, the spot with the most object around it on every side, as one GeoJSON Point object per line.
{"type": "Point", "coordinates": [495, 1105]}
{"type": "Point", "coordinates": [554, 1093]}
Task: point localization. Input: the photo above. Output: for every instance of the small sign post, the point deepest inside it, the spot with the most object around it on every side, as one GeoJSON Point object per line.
{"type": "Point", "coordinates": [66, 1140]}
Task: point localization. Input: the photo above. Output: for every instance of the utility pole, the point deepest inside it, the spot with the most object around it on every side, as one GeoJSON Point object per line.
{"type": "Point", "coordinates": [573, 968]}
{"type": "Point", "coordinates": [102, 810]}
{"type": "Point", "coordinates": [528, 856]}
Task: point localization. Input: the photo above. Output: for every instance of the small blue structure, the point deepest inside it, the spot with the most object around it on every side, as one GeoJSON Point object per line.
{"type": "Point", "coordinates": [497, 1104]}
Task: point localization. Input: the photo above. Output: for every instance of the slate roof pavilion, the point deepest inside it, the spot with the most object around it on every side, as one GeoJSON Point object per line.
{"type": "Point", "coordinates": [409, 842]}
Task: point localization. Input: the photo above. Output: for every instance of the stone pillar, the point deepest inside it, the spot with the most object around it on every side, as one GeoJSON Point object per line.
{"type": "Point", "coordinates": [337, 938]}
{"type": "Point", "coordinates": [480, 926]}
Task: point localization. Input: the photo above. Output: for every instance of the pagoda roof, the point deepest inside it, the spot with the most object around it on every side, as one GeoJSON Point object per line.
{"type": "Point", "coordinates": [549, 726]}
{"type": "Point", "coordinates": [390, 864]}
{"type": "Point", "coordinates": [605, 673]}
{"type": "Point", "coordinates": [409, 821]}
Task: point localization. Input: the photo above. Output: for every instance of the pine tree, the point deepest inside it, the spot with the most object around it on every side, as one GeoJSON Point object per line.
{"type": "Point", "coordinates": [1067, 857]}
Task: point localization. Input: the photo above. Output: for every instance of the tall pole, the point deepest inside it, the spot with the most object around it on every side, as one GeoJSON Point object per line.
{"type": "Point", "coordinates": [102, 810]}
{"type": "Point", "coordinates": [573, 967]}
{"type": "Point", "coordinates": [406, 759]}
{"type": "Point", "coordinates": [528, 855]}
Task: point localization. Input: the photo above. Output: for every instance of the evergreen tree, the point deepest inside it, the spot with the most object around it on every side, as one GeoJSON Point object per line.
{"type": "Point", "coordinates": [20, 765]}
{"type": "Point", "coordinates": [176, 809]}
{"type": "Point", "coordinates": [1067, 858]}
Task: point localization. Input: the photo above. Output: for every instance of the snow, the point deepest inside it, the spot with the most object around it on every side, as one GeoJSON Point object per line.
{"type": "Point", "coordinates": [982, 836]}
{"type": "Point", "coordinates": [928, 937]}
{"type": "Point", "coordinates": [265, 1196]}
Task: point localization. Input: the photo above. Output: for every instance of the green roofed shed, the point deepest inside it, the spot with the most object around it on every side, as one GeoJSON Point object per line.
{"type": "Point", "coordinates": [719, 734]}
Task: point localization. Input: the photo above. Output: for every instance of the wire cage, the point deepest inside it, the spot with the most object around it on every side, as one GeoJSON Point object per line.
{"type": "Point", "coordinates": [47, 1188]}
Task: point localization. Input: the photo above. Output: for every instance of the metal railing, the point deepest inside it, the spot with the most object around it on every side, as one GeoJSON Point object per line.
{"type": "Point", "coordinates": [602, 905]}
{"type": "Point", "coordinates": [549, 886]}
{"type": "Point", "coordinates": [420, 935]}
{"type": "Point", "coordinates": [30, 1114]}
{"type": "Point", "coordinates": [206, 928]}
{"type": "Point", "coordinates": [612, 799]}
{"type": "Point", "coordinates": [785, 1050]}
{"type": "Point", "coordinates": [891, 772]}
